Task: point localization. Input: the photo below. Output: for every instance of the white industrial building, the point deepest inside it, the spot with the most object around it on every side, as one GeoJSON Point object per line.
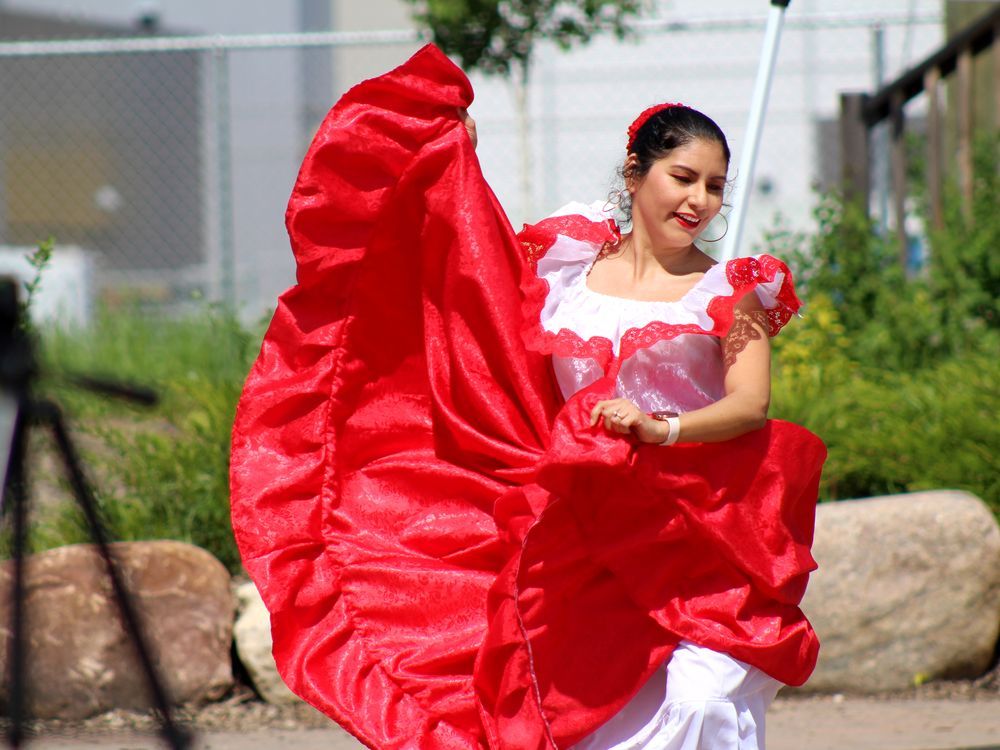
{"type": "Point", "coordinates": [249, 145]}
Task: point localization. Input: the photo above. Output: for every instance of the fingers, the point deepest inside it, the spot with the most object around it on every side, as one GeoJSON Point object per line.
{"type": "Point", "coordinates": [597, 412]}
{"type": "Point", "coordinates": [603, 409]}
{"type": "Point", "coordinates": [470, 125]}
{"type": "Point", "coordinates": [620, 422]}
{"type": "Point", "coordinates": [618, 415]}
{"type": "Point", "coordinates": [614, 424]}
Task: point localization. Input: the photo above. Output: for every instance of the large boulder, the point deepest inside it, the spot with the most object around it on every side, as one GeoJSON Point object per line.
{"type": "Point", "coordinates": [80, 660]}
{"type": "Point", "coordinates": [908, 589]}
{"type": "Point", "coordinates": [252, 635]}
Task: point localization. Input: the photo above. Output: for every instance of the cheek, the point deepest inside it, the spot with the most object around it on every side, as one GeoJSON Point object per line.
{"type": "Point", "coordinates": [659, 194]}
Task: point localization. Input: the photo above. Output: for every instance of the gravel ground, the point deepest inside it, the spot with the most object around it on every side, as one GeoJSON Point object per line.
{"type": "Point", "coordinates": [936, 716]}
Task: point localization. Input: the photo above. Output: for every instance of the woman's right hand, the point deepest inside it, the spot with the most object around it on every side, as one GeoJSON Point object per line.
{"type": "Point", "coordinates": [470, 125]}
{"type": "Point", "coordinates": [622, 416]}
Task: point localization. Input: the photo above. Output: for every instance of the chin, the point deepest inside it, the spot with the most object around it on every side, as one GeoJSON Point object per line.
{"type": "Point", "coordinates": [677, 238]}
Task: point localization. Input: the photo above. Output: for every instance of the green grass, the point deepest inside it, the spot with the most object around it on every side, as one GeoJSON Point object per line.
{"type": "Point", "coordinates": [161, 472]}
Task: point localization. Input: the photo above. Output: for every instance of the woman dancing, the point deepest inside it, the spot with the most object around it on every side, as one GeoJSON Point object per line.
{"type": "Point", "coordinates": [520, 491]}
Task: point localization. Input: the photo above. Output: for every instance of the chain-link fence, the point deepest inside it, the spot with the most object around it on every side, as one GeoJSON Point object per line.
{"type": "Point", "coordinates": [168, 160]}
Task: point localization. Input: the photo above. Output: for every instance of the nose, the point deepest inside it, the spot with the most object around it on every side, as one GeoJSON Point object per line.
{"type": "Point", "coordinates": [698, 194]}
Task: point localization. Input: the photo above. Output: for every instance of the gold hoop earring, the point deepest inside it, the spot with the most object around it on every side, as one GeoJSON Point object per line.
{"type": "Point", "coordinates": [724, 232]}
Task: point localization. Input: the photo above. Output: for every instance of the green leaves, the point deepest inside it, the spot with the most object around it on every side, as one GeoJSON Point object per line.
{"type": "Point", "coordinates": [900, 431]}
{"type": "Point", "coordinates": [898, 374]}
{"type": "Point", "coordinates": [39, 260]}
{"type": "Point", "coordinates": [499, 37]}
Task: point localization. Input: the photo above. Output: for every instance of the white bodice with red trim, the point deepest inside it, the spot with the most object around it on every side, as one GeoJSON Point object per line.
{"type": "Point", "coordinates": [665, 355]}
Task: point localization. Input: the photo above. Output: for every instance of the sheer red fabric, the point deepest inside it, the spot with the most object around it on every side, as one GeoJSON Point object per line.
{"type": "Point", "coordinates": [451, 557]}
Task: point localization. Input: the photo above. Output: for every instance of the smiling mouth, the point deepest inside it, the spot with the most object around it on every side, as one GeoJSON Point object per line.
{"type": "Point", "coordinates": [687, 221]}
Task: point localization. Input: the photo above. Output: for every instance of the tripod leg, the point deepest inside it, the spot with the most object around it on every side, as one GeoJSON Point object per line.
{"type": "Point", "coordinates": [16, 495]}
{"type": "Point", "coordinates": [174, 735]}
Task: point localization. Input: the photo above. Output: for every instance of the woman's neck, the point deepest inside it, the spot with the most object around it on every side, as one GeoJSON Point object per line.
{"type": "Point", "coordinates": [648, 260]}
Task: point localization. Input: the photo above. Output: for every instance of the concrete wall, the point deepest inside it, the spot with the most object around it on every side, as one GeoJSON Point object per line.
{"type": "Point", "coordinates": [354, 64]}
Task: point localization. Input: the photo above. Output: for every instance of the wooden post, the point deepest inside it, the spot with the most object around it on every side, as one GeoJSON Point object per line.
{"type": "Point", "coordinates": [898, 157]}
{"type": "Point", "coordinates": [965, 125]}
{"type": "Point", "coordinates": [996, 77]}
{"type": "Point", "coordinates": [935, 168]}
{"type": "Point", "coordinates": [854, 146]}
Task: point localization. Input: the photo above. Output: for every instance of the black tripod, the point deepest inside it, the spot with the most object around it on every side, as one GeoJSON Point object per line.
{"type": "Point", "coordinates": [18, 371]}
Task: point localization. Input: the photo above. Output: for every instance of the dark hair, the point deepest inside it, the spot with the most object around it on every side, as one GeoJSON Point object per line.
{"type": "Point", "coordinates": [668, 129]}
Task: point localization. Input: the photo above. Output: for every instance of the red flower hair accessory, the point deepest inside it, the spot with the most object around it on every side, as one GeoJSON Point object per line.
{"type": "Point", "coordinates": [643, 118]}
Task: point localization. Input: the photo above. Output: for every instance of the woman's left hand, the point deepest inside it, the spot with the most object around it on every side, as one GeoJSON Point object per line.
{"type": "Point", "coordinates": [622, 416]}
{"type": "Point", "coordinates": [470, 125]}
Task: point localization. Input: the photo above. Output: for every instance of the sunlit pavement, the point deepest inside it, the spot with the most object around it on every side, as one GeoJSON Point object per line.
{"type": "Point", "coordinates": [870, 724]}
{"type": "Point", "coordinates": [793, 724]}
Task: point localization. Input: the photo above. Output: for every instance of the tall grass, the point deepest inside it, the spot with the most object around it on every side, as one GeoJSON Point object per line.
{"type": "Point", "coordinates": [160, 472]}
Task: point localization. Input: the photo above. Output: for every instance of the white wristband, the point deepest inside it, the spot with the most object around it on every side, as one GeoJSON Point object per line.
{"type": "Point", "coordinates": [673, 430]}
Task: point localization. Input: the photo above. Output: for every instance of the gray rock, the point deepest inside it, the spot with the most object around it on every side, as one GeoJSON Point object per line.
{"type": "Point", "coordinates": [81, 662]}
{"type": "Point", "coordinates": [252, 634]}
{"type": "Point", "coordinates": [908, 590]}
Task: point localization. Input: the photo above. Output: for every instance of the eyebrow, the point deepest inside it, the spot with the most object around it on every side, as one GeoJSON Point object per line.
{"type": "Point", "coordinates": [695, 172]}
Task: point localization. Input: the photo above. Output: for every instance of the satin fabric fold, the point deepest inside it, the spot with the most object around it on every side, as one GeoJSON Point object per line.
{"type": "Point", "coordinates": [362, 490]}
{"type": "Point", "coordinates": [451, 557]}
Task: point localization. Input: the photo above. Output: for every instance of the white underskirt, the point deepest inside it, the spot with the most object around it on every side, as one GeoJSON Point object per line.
{"type": "Point", "coordinates": [699, 700]}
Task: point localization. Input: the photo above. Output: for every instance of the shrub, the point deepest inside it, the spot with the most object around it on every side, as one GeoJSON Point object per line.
{"type": "Point", "coordinates": [898, 373]}
{"type": "Point", "coordinates": [901, 431]}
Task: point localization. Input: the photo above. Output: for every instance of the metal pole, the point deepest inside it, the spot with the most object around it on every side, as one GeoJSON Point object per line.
{"type": "Point", "coordinates": [744, 177]}
{"type": "Point", "coordinates": [224, 185]}
{"type": "Point", "coordinates": [881, 136]}
{"type": "Point", "coordinates": [550, 125]}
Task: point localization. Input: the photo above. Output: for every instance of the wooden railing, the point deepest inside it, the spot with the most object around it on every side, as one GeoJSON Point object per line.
{"type": "Point", "coordinates": [859, 113]}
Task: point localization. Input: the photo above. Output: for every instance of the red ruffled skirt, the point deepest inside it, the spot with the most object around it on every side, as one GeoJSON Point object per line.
{"type": "Point", "coordinates": [451, 556]}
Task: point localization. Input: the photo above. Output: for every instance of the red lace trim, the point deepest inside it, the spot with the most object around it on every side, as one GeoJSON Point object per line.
{"type": "Point", "coordinates": [538, 239]}
{"type": "Point", "coordinates": [743, 274]}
